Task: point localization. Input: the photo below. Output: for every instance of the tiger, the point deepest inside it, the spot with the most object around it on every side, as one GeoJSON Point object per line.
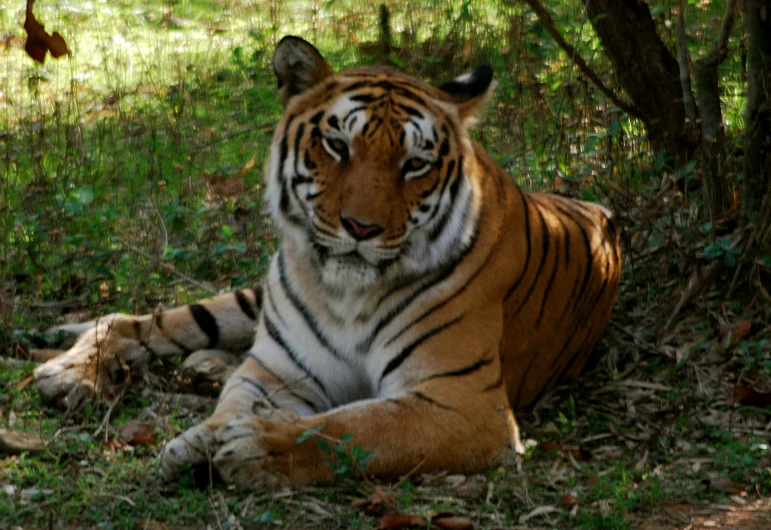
{"type": "Point", "coordinates": [418, 296]}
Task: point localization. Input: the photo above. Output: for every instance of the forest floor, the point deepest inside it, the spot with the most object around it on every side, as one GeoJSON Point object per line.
{"type": "Point", "coordinates": [669, 429]}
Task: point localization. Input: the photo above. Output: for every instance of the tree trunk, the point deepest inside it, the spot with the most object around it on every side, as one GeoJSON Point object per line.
{"type": "Point", "coordinates": [757, 135]}
{"type": "Point", "coordinates": [708, 98]}
{"type": "Point", "coordinates": [647, 71]}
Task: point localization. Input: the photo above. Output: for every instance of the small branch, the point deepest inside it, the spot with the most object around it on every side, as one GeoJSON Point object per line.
{"type": "Point", "coordinates": [545, 18]}
{"type": "Point", "coordinates": [172, 270]}
{"type": "Point", "coordinates": [725, 28]}
{"type": "Point", "coordinates": [684, 59]}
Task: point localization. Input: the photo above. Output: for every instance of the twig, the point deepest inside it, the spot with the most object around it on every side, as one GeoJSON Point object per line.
{"type": "Point", "coordinates": [172, 270]}
{"type": "Point", "coordinates": [545, 18]}
{"type": "Point", "coordinates": [410, 473]}
{"type": "Point", "coordinates": [699, 281]}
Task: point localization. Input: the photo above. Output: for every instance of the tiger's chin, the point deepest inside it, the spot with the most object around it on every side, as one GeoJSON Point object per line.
{"type": "Point", "coordinates": [350, 271]}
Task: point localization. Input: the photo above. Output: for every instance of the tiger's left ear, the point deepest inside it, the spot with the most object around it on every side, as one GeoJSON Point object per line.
{"type": "Point", "coordinates": [469, 92]}
{"type": "Point", "coordinates": [298, 66]}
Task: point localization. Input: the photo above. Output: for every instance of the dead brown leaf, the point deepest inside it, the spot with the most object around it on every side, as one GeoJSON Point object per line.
{"type": "Point", "coordinates": [39, 42]}
{"type": "Point", "coordinates": [24, 383]}
{"type": "Point", "coordinates": [111, 445]}
{"type": "Point", "coordinates": [449, 521]}
{"type": "Point", "coordinates": [245, 168]}
{"type": "Point", "coordinates": [395, 522]}
{"type": "Point", "coordinates": [136, 433]}
{"type": "Point", "coordinates": [735, 332]}
{"type": "Point", "coordinates": [569, 501]}
{"type": "Point", "coordinates": [748, 397]}
{"type": "Point", "coordinates": [580, 454]}
{"type": "Point", "coordinates": [725, 484]}
{"type": "Point", "coordinates": [377, 504]}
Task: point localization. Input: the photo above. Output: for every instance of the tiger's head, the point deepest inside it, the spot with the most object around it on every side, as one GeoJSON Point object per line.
{"type": "Point", "coordinates": [371, 172]}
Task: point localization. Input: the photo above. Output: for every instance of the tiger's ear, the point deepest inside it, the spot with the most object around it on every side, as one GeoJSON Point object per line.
{"type": "Point", "coordinates": [298, 66]}
{"type": "Point", "coordinates": [469, 92]}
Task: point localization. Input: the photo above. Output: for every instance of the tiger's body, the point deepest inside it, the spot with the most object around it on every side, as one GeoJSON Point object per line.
{"type": "Point", "coordinates": [417, 298]}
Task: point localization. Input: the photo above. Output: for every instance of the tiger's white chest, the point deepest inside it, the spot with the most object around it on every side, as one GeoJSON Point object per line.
{"type": "Point", "coordinates": [340, 341]}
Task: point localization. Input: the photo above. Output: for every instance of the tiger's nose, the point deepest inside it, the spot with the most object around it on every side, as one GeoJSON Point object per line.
{"type": "Point", "coordinates": [360, 230]}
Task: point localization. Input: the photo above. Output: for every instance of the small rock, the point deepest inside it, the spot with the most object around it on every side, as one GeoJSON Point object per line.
{"type": "Point", "coordinates": [14, 443]}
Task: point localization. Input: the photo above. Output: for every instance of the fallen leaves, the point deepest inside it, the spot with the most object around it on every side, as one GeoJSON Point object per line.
{"type": "Point", "coordinates": [749, 397]}
{"type": "Point", "coordinates": [444, 521]}
{"type": "Point", "coordinates": [733, 333]}
{"type": "Point", "coordinates": [39, 42]}
{"type": "Point", "coordinates": [136, 433]}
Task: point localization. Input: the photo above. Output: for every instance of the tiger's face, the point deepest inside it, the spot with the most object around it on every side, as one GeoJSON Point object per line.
{"type": "Point", "coordinates": [369, 170]}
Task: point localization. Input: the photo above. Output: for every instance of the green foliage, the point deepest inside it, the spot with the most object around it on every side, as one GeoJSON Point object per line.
{"type": "Point", "coordinates": [343, 458]}
{"type": "Point", "coordinates": [723, 249]}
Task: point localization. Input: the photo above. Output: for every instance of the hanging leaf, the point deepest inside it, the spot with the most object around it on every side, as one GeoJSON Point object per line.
{"type": "Point", "coordinates": [39, 42]}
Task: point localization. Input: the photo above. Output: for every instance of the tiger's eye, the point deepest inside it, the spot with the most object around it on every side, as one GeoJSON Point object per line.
{"type": "Point", "coordinates": [415, 167]}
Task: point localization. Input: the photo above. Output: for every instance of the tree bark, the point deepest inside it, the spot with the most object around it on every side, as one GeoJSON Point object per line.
{"type": "Point", "coordinates": [757, 134]}
{"type": "Point", "coordinates": [647, 70]}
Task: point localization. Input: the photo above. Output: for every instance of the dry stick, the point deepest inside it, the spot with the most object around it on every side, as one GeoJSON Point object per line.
{"type": "Point", "coordinates": [548, 23]}
{"type": "Point", "coordinates": [172, 270]}
{"type": "Point", "coordinates": [699, 281]}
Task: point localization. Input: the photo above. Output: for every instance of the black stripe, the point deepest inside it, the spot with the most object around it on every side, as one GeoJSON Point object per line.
{"type": "Point", "coordinates": [256, 385]}
{"type": "Point", "coordinates": [404, 304]}
{"type": "Point", "coordinates": [158, 319]}
{"type": "Point", "coordinates": [283, 385]}
{"type": "Point", "coordinates": [526, 205]}
{"type": "Point", "coordinates": [462, 371]}
{"type": "Point", "coordinates": [422, 396]}
{"type": "Point", "coordinates": [275, 334]}
{"type": "Point", "coordinates": [243, 303]}
{"type": "Point", "coordinates": [444, 302]}
{"type": "Point", "coordinates": [298, 304]}
{"type": "Point", "coordinates": [207, 323]}
{"type": "Point", "coordinates": [576, 297]}
{"type": "Point", "coordinates": [441, 224]}
{"type": "Point", "coordinates": [394, 363]}
{"type": "Point", "coordinates": [541, 264]}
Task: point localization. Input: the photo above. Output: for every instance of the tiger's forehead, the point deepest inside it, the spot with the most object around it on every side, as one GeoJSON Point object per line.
{"type": "Point", "coordinates": [402, 112]}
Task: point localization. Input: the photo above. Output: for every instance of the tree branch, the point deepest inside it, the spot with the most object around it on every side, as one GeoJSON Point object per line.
{"type": "Point", "coordinates": [545, 18]}
{"type": "Point", "coordinates": [684, 60]}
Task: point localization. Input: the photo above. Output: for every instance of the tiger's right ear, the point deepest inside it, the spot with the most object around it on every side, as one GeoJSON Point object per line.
{"type": "Point", "coordinates": [298, 66]}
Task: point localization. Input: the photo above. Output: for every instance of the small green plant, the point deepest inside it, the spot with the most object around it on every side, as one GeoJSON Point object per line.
{"type": "Point", "coordinates": [723, 249]}
{"type": "Point", "coordinates": [346, 459]}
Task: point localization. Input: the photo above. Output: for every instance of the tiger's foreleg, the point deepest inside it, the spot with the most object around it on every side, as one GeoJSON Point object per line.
{"type": "Point", "coordinates": [113, 353]}
{"type": "Point", "coordinates": [251, 442]}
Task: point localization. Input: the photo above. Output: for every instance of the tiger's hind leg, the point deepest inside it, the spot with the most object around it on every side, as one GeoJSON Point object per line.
{"type": "Point", "coordinates": [112, 354]}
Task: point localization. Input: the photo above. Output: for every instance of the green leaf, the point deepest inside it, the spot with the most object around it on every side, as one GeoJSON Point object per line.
{"type": "Point", "coordinates": [346, 438]}
{"type": "Point", "coordinates": [85, 195]}
{"type": "Point", "coordinates": [307, 434]}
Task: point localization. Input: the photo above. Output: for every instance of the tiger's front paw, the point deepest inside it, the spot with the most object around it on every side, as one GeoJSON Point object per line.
{"type": "Point", "coordinates": [242, 455]}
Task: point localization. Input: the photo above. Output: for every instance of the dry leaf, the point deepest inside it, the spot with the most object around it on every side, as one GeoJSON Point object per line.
{"type": "Point", "coordinates": [395, 522]}
{"type": "Point", "coordinates": [735, 332]}
{"type": "Point", "coordinates": [748, 397]}
{"type": "Point", "coordinates": [24, 383]}
{"type": "Point", "coordinates": [449, 521]}
{"type": "Point", "coordinates": [569, 501]}
{"type": "Point", "coordinates": [111, 445]}
{"type": "Point", "coordinates": [377, 504]}
{"type": "Point", "coordinates": [246, 167]}
{"type": "Point", "coordinates": [580, 454]}
{"type": "Point", "coordinates": [725, 484]}
{"type": "Point", "coordinates": [135, 433]}
{"type": "Point", "coordinates": [38, 41]}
